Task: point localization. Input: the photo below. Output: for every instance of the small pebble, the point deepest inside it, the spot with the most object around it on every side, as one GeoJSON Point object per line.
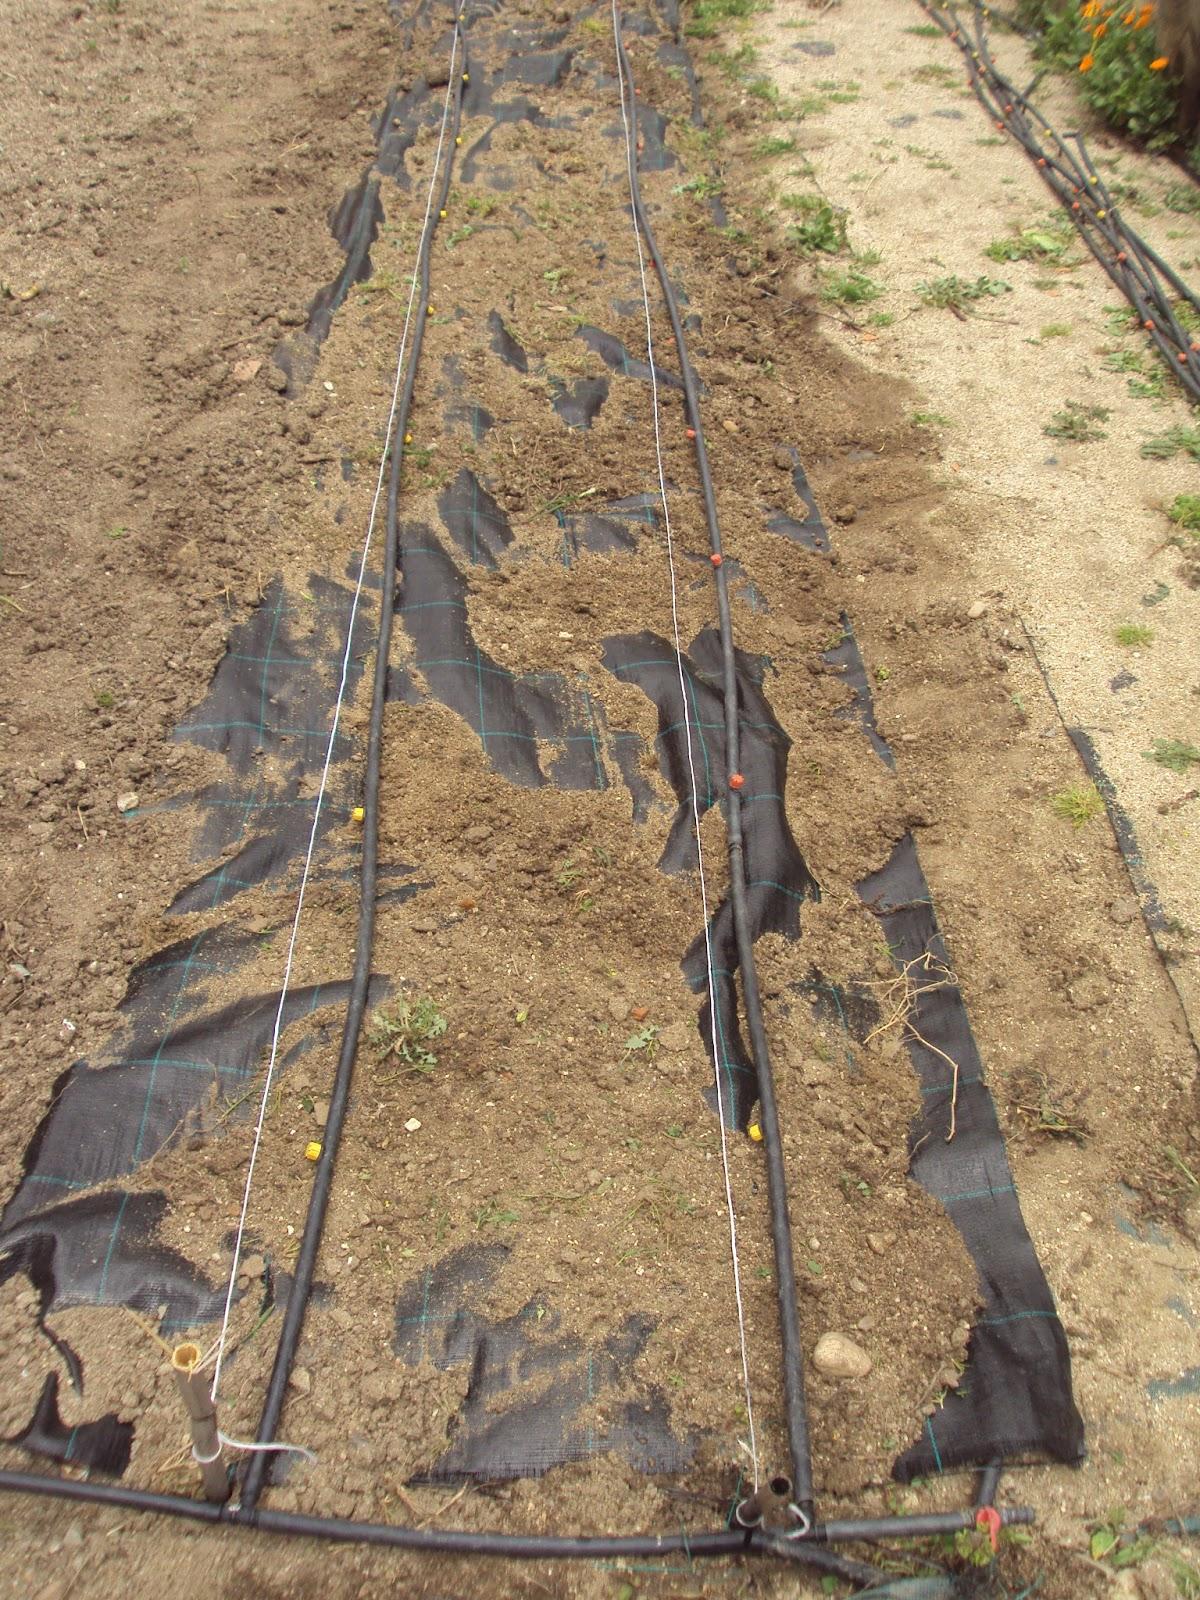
{"type": "Point", "coordinates": [127, 802]}
{"type": "Point", "coordinates": [977, 609]}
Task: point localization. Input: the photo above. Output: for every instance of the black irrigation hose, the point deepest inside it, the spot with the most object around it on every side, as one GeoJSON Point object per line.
{"type": "Point", "coordinates": [517, 1546]}
{"type": "Point", "coordinates": [444, 1541]}
{"type": "Point", "coordinates": [799, 1442]}
{"type": "Point", "coordinates": [1134, 266]}
{"type": "Point", "coordinates": [318, 1202]}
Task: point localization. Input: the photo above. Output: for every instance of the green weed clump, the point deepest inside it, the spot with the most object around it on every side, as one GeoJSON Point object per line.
{"type": "Point", "coordinates": [822, 227]}
{"type": "Point", "coordinates": [959, 294]}
{"type": "Point", "coordinates": [706, 16]}
{"type": "Point", "coordinates": [1078, 805]}
{"type": "Point", "coordinates": [1185, 512]}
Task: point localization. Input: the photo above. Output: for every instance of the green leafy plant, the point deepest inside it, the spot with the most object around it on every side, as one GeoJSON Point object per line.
{"type": "Point", "coordinates": [1078, 805]}
{"type": "Point", "coordinates": [822, 227]}
{"type": "Point", "coordinates": [703, 188]}
{"type": "Point", "coordinates": [1135, 634]}
{"type": "Point", "coordinates": [959, 294]}
{"type": "Point", "coordinates": [775, 145]}
{"type": "Point", "coordinates": [1119, 72]}
{"type": "Point", "coordinates": [406, 1029]}
{"type": "Point", "coordinates": [850, 288]}
{"type": "Point", "coordinates": [1175, 754]}
{"type": "Point", "coordinates": [1078, 422]}
{"type": "Point", "coordinates": [1044, 241]}
{"type": "Point", "coordinates": [706, 16]}
{"type": "Point", "coordinates": [644, 1041]}
{"type": "Point", "coordinates": [1183, 197]}
{"type": "Point", "coordinates": [1183, 437]}
{"type": "Point", "coordinates": [1117, 1546]}
{"type": "Point", "coordinates": [1184, 512]}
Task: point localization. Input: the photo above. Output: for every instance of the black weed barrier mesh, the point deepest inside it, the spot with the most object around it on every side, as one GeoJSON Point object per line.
{"type": "Point", "coordinates": [83, 1239]}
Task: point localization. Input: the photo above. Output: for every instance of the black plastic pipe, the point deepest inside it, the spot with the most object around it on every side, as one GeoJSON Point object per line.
{"type": "Point", "coordinates": [435, 1541]}
{"type": "Point", "coordinates": [795, 1401]}
{"type": "Point", "coordinates": [318, 1202]}
{"type": "Point", "coordinates": [808, 1551]}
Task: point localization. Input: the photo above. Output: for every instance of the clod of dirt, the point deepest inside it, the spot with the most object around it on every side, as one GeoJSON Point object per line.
{"type": "Point", "coordinates": [127, 801]}
{"type": "Point", "coordinates": [300, 1380]}
{"type": "Point", "coordinates": [837, 1356]}
{"type": "Point", "coordinates": [977, 609]}
{"type": "Point", "coordinates": [880, 1243]}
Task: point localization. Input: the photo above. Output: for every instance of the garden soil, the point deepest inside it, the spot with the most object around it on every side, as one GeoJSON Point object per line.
{"type": "Point", "coordinates": [168, 182]}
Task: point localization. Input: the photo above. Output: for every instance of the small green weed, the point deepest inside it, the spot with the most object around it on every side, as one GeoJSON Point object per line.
{"type": "Point", "coordinates": [1054, 330]}
{"type": "Point", "coordinates": [1078, 805]}
{"type": "Point", "coordinates": [1184, 512]}
{"type": "Point", "coordinates": [459, 235]}
{"type": "Point", "coordinates": [644, 1041]}
{"type": "Point", "coordinates": [882, 319]}
{"type": "Point", "coordinates": [1135, 635]}
{"type": "Point", "coordinates": [924, 30]}
{"type": "Point", "coordinates": [850, 288]}
{"type": "Point", "coordinates": [1177, 755]}
{"type": "Point", "coordinates": [1078, 422]}
{"type": "Point", "coordinates": [733, 62]}
{"type": "Point", "coordinates": [707, 15]}
{"type": "Point", "coordinates": [959, 294]}
{"type": "Point", "coordinates": [1183, 437]}
{"type": "Point", "coordinates": [1112, 1543]}
{"type": "Point", "coordinates": [702, 188]}
{"type": "Point", "coordinates": [776, 145]}
{"type": "Point", "coordinates": [495, 1215]}
{"type": "Point", "coordinates": [930, 419]}
{"type": "Point", "coordinates": [935, 72]}
{"type": "Point", "coordinates": [406, 1029]}
{"type": "Point", "coordinates": [105, 700]}
{"type": "Point", "coordinates": [822, 228]}
{"type": "Point", "coordinates": [1045, 241]}
{"type": "Point", "coordinates": [1184, 197]}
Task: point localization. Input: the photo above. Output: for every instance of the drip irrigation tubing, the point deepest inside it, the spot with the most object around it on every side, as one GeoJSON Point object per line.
{"type": "Point", "coordinates": [318, 1204]}
{"type": "Point", "coordinates": [809, 1551]}
{"type": "Point", "coordinates": [1134, 266]}
{"type": "Point", "coordinates": [795, 1402]}
{"type": "Point", "coordinates": [628, 116]}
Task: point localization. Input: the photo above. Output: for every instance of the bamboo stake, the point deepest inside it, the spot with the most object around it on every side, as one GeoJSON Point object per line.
{"type": "Point", "coordinates": [202, 1421]}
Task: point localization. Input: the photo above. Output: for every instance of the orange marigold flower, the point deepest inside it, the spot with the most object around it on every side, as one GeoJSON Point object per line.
{"type": "Point", "coordinates": [1092, 8]}
{"type": "Point", "coordinates": [1159, 63]}
{"type": "Point", "coordinates": [1100, 30]}
{"type": "Point", "coordinates": [1144, 16]}
{"type": "Point", "coordinates": [1088, 62]}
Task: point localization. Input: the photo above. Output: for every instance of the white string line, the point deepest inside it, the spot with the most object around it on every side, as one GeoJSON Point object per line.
{"type": "Point", "coordinates": [337, 713]}
{"type": "Point", "coordinates": [687, 725]}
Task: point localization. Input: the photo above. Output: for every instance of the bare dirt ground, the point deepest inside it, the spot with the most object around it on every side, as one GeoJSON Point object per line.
{"type": "Point", "coordinates": [168, 178]}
